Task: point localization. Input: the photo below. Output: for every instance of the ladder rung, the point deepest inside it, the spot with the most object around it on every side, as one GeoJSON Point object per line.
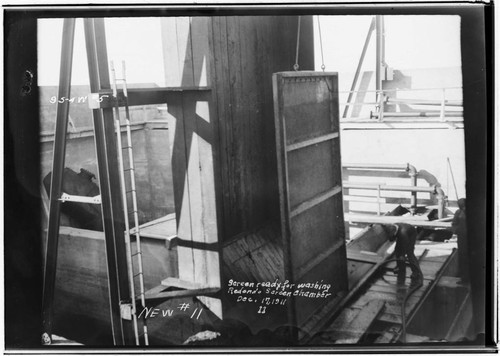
{"type": "Point", "coordinates": [132, 212]}
{"type": "Point", "coordinates": [125, 147]}
{"type": "Point", "coordinates": [136, 253]}
{"type": "Point", "coordinates": [137, 275]}
{"type": "Point", "coordinates": [131, 191]}
{"type": "Point", "coordinates": [128, 169]}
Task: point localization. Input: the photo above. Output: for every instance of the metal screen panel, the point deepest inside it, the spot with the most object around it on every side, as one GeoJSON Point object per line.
{"type": "Point", "coordinates": [310, 179]}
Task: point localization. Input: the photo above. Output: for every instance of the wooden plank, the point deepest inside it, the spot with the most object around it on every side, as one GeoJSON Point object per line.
{"type": "Point", "coordinates": [164, 228]}
{"type": "Point", "coordinates": [363, 257]}
{"type": "Point", "coordinates": [168, 217]}
{"type": "Point", "coordinates": [229, 254]}
{"type": "Point", "coordinates": [178, 151]}
{"type": "Point", "coordinates": [315, 201]}
{"type": "Point", "coordinates": [385, 338]}
{"type": "Point", "coordinates": [395, 308]}
{"type": "Point", "coordinates": [353, 333]}
{"type": "Point", "coordinates": [310, 328]}
{"type": "Point", "coordinates": [142, 96]}
{"type": "Point", "coordinates": [179, 283]}
{"type": "Point", "coordinates": [221, 81]}
{"type": "Point", "coordinates": [201, 58]}
{"type": "Point", "coordinates": [170, 51]}
{"type": "Point", "coordinates": [202, 195]}
{"type": "Point", "coordinates": [184, 50]}
{"type": "Point", "coordinates": [156, 295]}
{"type": "Point", "coordinates": [254, 241]}
{"type": "Point", "coordinates": [271, 262]}
{"type": "Point", "coordinates": [369, 219]}
{"type": "Point", "coordinates": [312, 141]}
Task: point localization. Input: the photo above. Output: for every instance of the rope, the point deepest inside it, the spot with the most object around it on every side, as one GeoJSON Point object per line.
{"type": "Point", "coordinates": [321, 46]}
{"type": "Point", "coordinates": [296, 65]}
{"type": "Point", "coordinates": [452, 177]}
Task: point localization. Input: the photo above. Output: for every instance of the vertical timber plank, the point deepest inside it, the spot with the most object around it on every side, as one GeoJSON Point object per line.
{"type": "Point", "coordinates": [171, 62]}
{"type": "Point", "coordinates": [211, 263]}
{"type": "Point", "coordinates": [221, 110]}
{"type": "Point", "coordinates": [178, 152]}
{"type": "Point", "coordinates": [235, 215]}
{"type": "Point", "coordinates": [185, 50]}
{"type": "Point", "coordinates": [200, 30]}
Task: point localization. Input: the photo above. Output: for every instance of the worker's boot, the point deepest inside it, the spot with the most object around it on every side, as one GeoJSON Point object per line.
{"type": "Point", "coordinates": [416, 280]}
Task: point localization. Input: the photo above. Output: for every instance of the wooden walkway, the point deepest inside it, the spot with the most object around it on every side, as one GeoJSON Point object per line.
{"type": "Point", "coordinates": [381, 299]}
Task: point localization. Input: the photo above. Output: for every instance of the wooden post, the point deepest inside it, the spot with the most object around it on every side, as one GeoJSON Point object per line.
{"type": "Point", "coordinates": [57, 177]}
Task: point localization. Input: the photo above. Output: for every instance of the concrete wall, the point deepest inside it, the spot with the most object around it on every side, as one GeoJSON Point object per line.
{"type": "Point", "coordinates": [151, 159]}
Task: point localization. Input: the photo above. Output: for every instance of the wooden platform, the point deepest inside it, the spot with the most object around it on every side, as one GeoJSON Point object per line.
{"type": "Point", "coordinates": [164, 228]}
{"type": "Point", "coordinates": [381, 299]}
{"type": "Point", "coordinates": [255, 256]}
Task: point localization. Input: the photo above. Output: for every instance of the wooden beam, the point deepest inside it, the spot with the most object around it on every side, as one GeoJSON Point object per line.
{"type": "Point", "coordinates": [158, 293]}
{"type": "Point", "coordinates": [353, 333]}
{"type": "Point", "coordinates": [364, 257]}
{"type": "Point", "coordinates": [179, 283]}
{"type": "Point", "coordinates": [106, 151]}
{"type": "Point", "coordinates": [369, 219]}
{"type": "Point", "coordinates": [142, 96]}
{"type": "Point", "coordinates": [56, 183]}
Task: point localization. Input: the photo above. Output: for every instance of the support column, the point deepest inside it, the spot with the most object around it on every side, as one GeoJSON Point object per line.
{"type": "Point", "coordinates": [57, 178]}
{"type": "Point", "coordinates": [112, 207]}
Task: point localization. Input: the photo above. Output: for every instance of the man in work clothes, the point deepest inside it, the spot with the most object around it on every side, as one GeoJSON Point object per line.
{"type": "Point", "coordinates": [459, 227]}
{"type": "Point", "coordinates": [405, 236]}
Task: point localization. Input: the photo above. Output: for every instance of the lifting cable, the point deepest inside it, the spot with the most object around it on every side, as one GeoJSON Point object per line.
{"type": "Point", "coordinates": [321, 45]}
{"type": "Point", "coordinates": [296, 65]}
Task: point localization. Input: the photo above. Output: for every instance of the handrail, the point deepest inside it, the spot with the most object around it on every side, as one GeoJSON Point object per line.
{"type": "Point", "coordinates": [414, 189]}
{"type": "Point", "coordinates": [397, 188]}
{"type": "Point", "coordinates": [398, 90]}
{"type": "Point", "coordinates": [383, 99]}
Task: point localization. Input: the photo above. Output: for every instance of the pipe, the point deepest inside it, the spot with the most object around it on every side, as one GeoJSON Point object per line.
{"type": "Point", "coordinates": [412, 171]}
{"type": "Point", "coordinates": [414, 189]}
{"type": "Point", "coordinates": [398, 188]}
{"type": "Point", "coordinates": [458, 103]}
{"type": "Point", "coordinates": [377, 166]}
{"type": "Point", "coordinates": [441, 197]}
{"type": "Point", "coordinates": [419, 114]}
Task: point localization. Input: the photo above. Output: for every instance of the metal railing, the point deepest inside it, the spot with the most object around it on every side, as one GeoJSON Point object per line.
{"type": "Point", "coordinates": [445, 108]}
{"type": "Point", "coordinates": [413, 188]}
